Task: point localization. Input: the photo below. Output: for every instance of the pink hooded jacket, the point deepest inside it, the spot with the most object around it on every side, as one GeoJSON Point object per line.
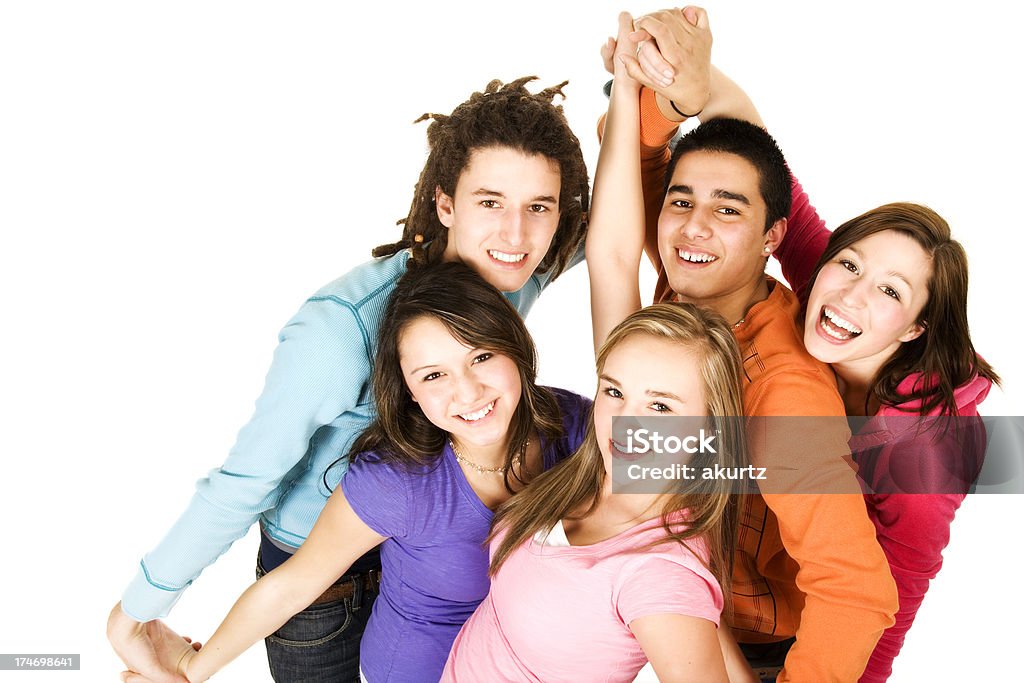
{"type": "Point", "coordinates": [894, 453]}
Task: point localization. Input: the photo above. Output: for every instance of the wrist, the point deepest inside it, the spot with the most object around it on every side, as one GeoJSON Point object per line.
{"type": "Point", "coordinates": [187, 667]}
{"type": "Point", "coordinates": [682, 108]}
{"type": "Point", "coordinates": [120, 623]}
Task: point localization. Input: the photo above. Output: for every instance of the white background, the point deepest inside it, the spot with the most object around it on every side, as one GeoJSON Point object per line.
{"type": "Point", "coordinates": [175, 178]}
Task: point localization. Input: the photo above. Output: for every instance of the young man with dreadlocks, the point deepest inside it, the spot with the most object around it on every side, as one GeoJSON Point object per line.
{"type": "Point", "coordinates": [504, 190]}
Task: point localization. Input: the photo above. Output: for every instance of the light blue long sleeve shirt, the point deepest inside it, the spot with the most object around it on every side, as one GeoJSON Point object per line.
{"type": "Point", "coordinates": [316, 400]}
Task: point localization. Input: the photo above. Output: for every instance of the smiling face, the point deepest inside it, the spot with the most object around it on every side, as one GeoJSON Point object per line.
{"type": "Point", "coordinates": [470, 393]}
{"type": "Point", "coordinates": [503, 216]}
{"type": "Point", "coordinates": [711, 234]}
{"type": "Point", "coordinates": [867, 300]}
{"type": "Point", "coordinates": [645, 376]}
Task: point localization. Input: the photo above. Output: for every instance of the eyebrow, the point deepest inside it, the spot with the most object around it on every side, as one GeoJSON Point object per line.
{"type": "Point", "coordinates": [717, 193]}
{"type": "Point", "coordinates": [484, 192]}
{"type": "Point", "coordinates": [425, 367]}
{"type": "Point", "coordinates": [891, 273]}
{"type": "Point", "coordinates": [650, 392]}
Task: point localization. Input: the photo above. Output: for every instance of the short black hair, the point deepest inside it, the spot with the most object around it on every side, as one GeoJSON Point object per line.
{"type": "Point", "coordinates": [749, 142]}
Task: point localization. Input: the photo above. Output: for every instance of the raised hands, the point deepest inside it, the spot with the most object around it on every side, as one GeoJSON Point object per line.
{"type": "Point", "coordinates": [670, 52]}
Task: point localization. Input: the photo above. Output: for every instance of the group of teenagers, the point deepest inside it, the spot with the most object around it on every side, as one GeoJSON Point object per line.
{"type": "Point", "coordinates": [429, 512]}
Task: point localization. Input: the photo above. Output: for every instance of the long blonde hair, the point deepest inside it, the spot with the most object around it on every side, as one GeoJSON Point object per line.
{"type": "Point", "coordinates": [576, 483]}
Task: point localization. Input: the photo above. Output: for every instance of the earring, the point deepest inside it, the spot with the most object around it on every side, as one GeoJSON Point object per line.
{"type": "Point", "coordinates": [767, 249]}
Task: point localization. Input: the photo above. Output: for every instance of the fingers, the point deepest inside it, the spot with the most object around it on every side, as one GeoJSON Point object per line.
{"type": "Point", "coordinates": [636, 72]}
{"type": "Point", "coordinates": [624, 30]}
{"type": "Point", "coordinates": [654, 64]}
{"type": "Point", "coordinates": [608, 54]}
{"type": "Point", "coordinates": [135, 677]}
{"type": "Point", "coordinates": [697, 16]}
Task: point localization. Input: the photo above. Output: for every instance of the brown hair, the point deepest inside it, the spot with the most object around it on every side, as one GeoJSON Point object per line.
{"type": "Point", "coordinates": [479, 316]}
{"type": "Point", "coordinates": [575, 484]}
{"type": "Point", "coordinates": [943, 354]}
{"type": "Point", "coordinates": [503, 115]}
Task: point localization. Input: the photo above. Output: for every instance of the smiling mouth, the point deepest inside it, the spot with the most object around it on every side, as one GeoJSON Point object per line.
{"type": "Point", "coordinates": [837, 327]}
{"type": "Point", "coordinates": [620, 452]}
{"type": "Point", "coordinates": [505, 257]}
{"type": "Point", "coordinates": [696, 256]}
{"type": "Point", "coordinates": [478, 414]}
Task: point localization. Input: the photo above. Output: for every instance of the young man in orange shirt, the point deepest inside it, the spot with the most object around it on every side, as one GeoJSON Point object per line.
{"type": "Point", "coordinates": [808, 565]}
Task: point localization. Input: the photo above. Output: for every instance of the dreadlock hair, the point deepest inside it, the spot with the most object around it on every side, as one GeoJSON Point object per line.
{"type": "Point", "coordinates": [503, 115]}
{"type": "Point", "coordinates": [479, 316]}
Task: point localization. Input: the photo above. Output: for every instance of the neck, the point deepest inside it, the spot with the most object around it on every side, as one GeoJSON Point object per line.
{"type": "Point", "coordinates": [855, 380]}
{"type": "Point", "coordinates": [492, 455]}
{"type": "Point", "coordinates": [628, 509]}
{"type": "Point", "coordinates": [734, 305]}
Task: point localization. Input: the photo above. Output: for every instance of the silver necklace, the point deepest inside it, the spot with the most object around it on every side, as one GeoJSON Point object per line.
{"type": "Point", "coordinates": [480, 469]}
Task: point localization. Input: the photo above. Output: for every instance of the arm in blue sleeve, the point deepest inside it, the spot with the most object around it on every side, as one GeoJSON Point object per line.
{"type": "Point", "coordinates": [318, 372]}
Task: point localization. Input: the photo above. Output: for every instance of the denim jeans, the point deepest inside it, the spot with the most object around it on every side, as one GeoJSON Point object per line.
{"type": "Point", "coordinates": [766, 659]}
{"type": "Point", "coordinates": [321, 643]}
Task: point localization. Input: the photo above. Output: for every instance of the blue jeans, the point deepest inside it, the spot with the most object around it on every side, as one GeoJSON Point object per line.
{"type": "Point", "coordinates": [321, 643]}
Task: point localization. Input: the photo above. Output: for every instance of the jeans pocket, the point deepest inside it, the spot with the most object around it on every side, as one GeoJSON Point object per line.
{"type": "Point", "coordinates": [315, 625]}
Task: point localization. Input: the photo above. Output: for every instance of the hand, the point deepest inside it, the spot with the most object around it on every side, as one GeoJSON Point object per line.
{"type": "Point", "coordinates": [638, 45]}
{"type": "Point", "coordinates": [617, 52]}
{"type": "Point", "coordinates": [682, 40]}
{"type": "Point", "coordinates": [182, 668]}
{"type": "Point", "coordinates": [151, 650]}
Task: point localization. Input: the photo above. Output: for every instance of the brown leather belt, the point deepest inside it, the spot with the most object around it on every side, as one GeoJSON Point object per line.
{"type": "Point", "coordinates": [370, 581]}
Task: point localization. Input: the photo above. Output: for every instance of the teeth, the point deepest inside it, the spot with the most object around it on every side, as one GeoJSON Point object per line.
{"type": "Point", "coordinates": [505, 258]}
{"type": "Point", "coordinates": [840, 322]}
{"type": "Point", "coordinates": [473, 417]}
{"type": "Point", "coordinates": [694, 257]}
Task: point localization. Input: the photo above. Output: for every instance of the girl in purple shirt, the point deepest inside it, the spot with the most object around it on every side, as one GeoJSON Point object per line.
{"type": "Point", "coordinates": [461, 426]}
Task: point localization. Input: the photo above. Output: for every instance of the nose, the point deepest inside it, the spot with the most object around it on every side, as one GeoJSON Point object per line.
{"type": "Point", "coordinates": [513, 229]}
{"type": "Point", "coordinates": [468, 390]}
{"type": "Point", "coordinates": [854, 294]}
{"type": "Point", "coordinates": [696, 225]}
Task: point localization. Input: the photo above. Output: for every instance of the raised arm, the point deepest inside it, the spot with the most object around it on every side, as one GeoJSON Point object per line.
{"type": "Point", "coordinates": [806, 234]}
{"type": "Point", "coordinates": [338, 539]}
{"type": "Point", "coordinates": [615, 236]}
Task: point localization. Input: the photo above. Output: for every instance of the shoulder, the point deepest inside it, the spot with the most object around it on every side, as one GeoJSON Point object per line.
{"type": "Point", "coordinates": [364, 284]}
{"type": "Point", "coordinates": [373, 464]}
{"type": "Point", "coordinates": [575, 414]}
{"type": "Point", "coordinates": [968, 396]}
{"type": "Point", "coordinates": [784, 378]}
{"type": "Point", "coordinates": [352, 305]}
{"type": "Point", "coordinates": [669, 579]}
{"type": "Point", "coordinates": [570, 403]}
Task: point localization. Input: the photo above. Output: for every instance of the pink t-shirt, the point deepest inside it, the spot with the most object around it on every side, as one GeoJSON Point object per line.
{"type": "Point", "coordinates": [563, 613]}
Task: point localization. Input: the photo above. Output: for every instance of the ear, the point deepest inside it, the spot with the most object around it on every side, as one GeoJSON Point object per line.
{"type": "Point", "coordinates": [445, 207]}
{"type": "Point", "coordinates": [915, 331]}
{"type": "Point", "coordinates": [773, 237]}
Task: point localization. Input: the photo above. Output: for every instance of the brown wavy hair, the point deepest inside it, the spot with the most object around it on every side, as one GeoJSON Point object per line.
{"type": "Point", "coordinates": [503, 115]}
{"type": "Point", "coordinates": [943, 354]}
{"type": "Point", "coordinates": [476, 314]}
{"type": "Point", "coordinates": [572, 489]}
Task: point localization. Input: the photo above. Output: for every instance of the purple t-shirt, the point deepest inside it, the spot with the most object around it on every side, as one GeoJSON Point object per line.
{"type": "Point", "coordinates": [434, 560]}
